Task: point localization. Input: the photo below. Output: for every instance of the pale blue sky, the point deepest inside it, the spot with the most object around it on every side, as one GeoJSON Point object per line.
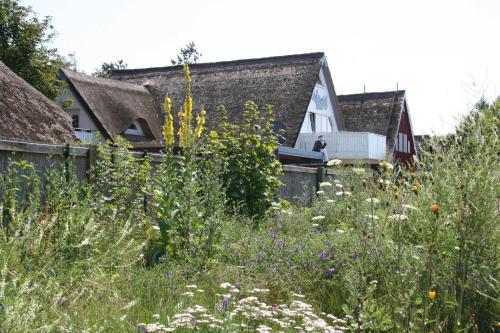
{"type": "Point", "coordinates": [444, 53]}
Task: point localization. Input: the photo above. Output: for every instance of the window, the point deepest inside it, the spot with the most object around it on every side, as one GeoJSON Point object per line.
{"type": "Point", "coordinates": [312, 120]}
{"type": "Point", "coordinates": [75, 121]}
{"type": "Point", "coordinates": [400, 142]}
{"type": "Point", "coordinates": [134, 129]}
{"type": "Point", "coordinates": [405, 143]}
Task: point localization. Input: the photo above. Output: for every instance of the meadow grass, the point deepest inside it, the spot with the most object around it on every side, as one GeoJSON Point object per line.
{"type": "Point", "coordinates": [393, 251]}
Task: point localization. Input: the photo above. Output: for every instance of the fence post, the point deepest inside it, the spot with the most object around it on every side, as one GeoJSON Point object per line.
{"type": "Point", "coordinates": [320, 177]}
{"type": "Point", "coordinates": [66, 161]}
{"type": "Point", "coordinates": [145, 200]}
{"type": "Point", "coordinates": [91, 157]}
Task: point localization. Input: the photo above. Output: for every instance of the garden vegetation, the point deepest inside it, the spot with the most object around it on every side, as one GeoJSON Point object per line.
{"type": "Point", "coordinates": [201, 242]}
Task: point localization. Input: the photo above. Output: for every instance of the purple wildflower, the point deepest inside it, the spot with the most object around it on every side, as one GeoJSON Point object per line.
{"type": "Point", "coordinates": [330, 272]}
{"type": "Point", "coordinates": [323, 255]}
{"type": "Point", "coordinates": [225, 303]}
{"type": "Point", "coordinates": [281, 244]}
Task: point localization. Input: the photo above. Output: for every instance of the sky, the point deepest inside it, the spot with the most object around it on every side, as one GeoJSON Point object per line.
{"type": "Point", "coordinates": [444, 53]}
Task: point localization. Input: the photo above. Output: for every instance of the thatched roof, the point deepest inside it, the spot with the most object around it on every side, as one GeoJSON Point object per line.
{"type": "Point", "coordinates": [27, 115]}
{"type": "Point", "coordinates": [377, 112]}
{"type": "Point", "coordinates": [114, 105]}
{"type": "Point", "coordinates": [286, 82]}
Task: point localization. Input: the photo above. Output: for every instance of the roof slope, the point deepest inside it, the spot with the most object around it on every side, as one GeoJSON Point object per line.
{"type": "Point", "coordinates": [285, 82]}
{"type": "Point", "coordinates": [27, 115]}
{"type": "Point", "coordinates": [115, 105]}
{"type": "Point", "coordinates": [378, 112]}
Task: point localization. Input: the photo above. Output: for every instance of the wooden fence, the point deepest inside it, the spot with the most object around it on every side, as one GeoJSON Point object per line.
{"type": "Point", "coordinates": [299, 183]}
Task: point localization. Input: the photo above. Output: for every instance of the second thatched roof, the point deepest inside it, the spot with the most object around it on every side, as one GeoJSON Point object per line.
{"type": "Point", "coordinates": [376, 112]}
{"type": "Point", "coordinates": [115, 105]}
{"type": "Point", "coordinates": [286, 82]}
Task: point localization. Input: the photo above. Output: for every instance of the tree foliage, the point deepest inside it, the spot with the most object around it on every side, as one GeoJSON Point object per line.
{"type": "Point", "coordinates": [107, 67]}
{"type": "Point", "coordinates": [187, 55]}
{"type": "Point", "coordinates": [25, 47]}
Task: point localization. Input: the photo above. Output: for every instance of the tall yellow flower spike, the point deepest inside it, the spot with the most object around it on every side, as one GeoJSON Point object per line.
{"type": "Point", "coordinates": [168, 127]}
{"type": "Point", "coordinates": [186, 113]}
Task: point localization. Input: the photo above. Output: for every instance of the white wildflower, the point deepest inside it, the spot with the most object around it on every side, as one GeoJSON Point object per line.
{"type": "Point", "coordinates": [188, 294]}
{"type": "Point", "coordinates": [334, 162]}
{"type": "Point", "coordinates": [330, 201]}
{"type": "Point", "coordinates": [398, 217]}
{"type": "Point", "coordinates": [318, 218]}
{"type": "Point", "coordinates": [314, 225]}
{"type": "Point", "coordinates": [320, 192]}
{"type": "Point", "coordinates": [410, 207]}
{"type": "Point", "coordinates": [257, 290]}
{"type": "Point", "coordinates": [155, 227]}
{"type": "Point", "coordinates": [191, 286]}
{"type": "Point", "coordinates": [226, 285]}
{"type": "Point", "coordinates": [325, 184]}
{"type": "Point", "coordinates": [373, 200]}
{"type": "Point", "coordinates": [372, 217]}
{"type": "Point", "coordinates": [358, 171]}
{"type": "Point", "coordinates": [86, 241]}
{"type": "Point", "coordinates": [343, 193]}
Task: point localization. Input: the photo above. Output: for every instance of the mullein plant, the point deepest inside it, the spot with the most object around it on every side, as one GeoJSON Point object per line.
{"type": "Point", "coordinates": [183, 193]}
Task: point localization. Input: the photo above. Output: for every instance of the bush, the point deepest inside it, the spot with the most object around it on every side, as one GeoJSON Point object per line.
{"type": "Point", "coordinates": [251, 173]}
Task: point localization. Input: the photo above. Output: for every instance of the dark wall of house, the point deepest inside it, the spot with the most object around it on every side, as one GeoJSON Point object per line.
{"type": "Point", "coordinates": [405, 128]}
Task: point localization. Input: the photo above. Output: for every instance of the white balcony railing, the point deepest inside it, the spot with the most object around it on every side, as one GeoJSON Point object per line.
{"type": "Point", "coordinates": [347, 145]}
{"type": "Point", "coordinates": [86, 136]}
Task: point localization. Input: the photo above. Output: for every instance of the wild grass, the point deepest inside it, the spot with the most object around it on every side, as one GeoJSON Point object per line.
{"type": "Point", "coordinates": [392, 251]}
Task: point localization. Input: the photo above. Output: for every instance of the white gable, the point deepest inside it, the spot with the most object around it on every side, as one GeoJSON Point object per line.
{"type": "Point", "coordinates": [320, 110]}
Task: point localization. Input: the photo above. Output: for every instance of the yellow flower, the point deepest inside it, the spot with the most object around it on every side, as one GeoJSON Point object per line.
{"type": "Point", "coordinates": [200, 121]}
{"type": "Point", "coordinates": [168, 127]}
{"type": "Point", "coordinates": [432, 294]}
{"type": "Point", "coordinates": [386, 166]}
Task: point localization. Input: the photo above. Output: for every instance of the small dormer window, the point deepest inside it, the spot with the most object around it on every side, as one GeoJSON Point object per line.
{"type": "Point", "coordinates": [135, 129]}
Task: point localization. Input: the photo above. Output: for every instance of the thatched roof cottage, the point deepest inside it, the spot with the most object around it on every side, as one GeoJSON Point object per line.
{"type": "Point", "coordinates": [27, 115]}
{"type": "Point", "coordinates": [296, 85]}
{"type": "Point", "coordinates": [384, 113]}
{"type": "Point", "coordinates": [113, 108]}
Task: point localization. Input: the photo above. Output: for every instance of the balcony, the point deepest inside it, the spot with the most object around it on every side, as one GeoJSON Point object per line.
{"type": "Point", "coordinates": [350, 147]}
{"type": "Point", "coordinates": [86, 136]}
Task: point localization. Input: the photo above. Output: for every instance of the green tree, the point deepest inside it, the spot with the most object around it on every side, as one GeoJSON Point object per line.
{"type": "Point", "coordinates": [107, 67]}
{"type": "Point", "coordinates": [187, 55]}
{"type": "Point", "coordinates": [25, 47]}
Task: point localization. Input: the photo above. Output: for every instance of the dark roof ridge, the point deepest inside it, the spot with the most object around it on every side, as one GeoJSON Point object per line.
{"type": "Point", "coordinates": [101, 81]}
{"type": "Point", "coordinates": [284, 59]}
{"type": "Point", "coordinates": [371, 95]}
